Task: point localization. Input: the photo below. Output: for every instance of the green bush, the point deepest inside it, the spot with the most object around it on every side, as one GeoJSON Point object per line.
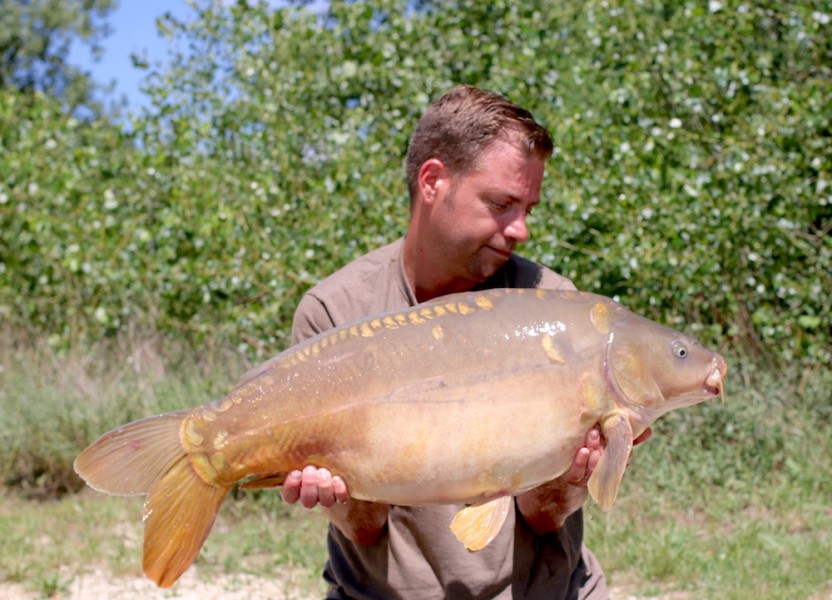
{"type": "Point", "coordinates": [67, 210]}
{"type": "Point", "coordinates": [691, 177]}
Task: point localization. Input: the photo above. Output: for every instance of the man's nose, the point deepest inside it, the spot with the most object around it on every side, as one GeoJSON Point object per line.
{"type": "Point", "coordinates": [516, 228]}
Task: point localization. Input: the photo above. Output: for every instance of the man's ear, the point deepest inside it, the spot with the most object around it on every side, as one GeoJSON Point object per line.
{"type": "Point", "coordinates": [433, 177]}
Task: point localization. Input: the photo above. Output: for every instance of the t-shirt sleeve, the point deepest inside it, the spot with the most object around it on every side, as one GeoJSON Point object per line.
{"type": "Point", "coordinates": [311, 318]}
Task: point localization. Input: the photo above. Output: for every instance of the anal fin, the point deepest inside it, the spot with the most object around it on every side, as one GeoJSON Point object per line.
{"type": "Point", "coordinates": [478, 524]}
{"type": "Point", "coordinates": [267, 480]}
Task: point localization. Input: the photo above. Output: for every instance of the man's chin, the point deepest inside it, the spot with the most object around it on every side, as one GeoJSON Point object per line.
{"type": "Point", "coordinates": [485, 269]}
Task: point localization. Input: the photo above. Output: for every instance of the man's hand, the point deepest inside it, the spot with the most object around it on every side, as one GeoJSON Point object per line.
{"type": "Point", "coordinates": [362, 522]}
{"type": "Point", "coordinates": [314, 486]}
{"type": "Point", "coordinates": [586, 459]}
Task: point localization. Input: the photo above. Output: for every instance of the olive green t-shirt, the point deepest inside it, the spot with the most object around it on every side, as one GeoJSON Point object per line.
{"type": "Point", "coordinates": [417, 557]}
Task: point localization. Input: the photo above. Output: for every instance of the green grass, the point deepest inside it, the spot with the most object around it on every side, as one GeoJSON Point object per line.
{"type": "Point", "coordinates": [47, 544]}
{"type": "Point", "coordinates": [725, 501]}
{"type": "Point", "coordinates": [55, 405]}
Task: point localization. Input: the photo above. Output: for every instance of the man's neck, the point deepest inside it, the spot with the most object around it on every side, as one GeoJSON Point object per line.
{"type": "Point", "coordinates": [426, 278]}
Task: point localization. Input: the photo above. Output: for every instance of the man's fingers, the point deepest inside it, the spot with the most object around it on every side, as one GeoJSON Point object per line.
{"type": "Point", "coordinates": [594, 459]}
{"type": "Point", "coordinates": [290, 490]}
{"type": "Point", "coordinates": [577, 473]}
{"type": "Point", "coordinates": [314, 486]}
{"type": "Point", "coordinates": [326, 496]}
{"type": "Point", "coordinates": [593, 438]}
{"type": "Point", "coordinates": [586, 458]}
{"type": "Point", "coordinates": [309, 487]}
{"type": "Point", "coordinates": [339, 488]}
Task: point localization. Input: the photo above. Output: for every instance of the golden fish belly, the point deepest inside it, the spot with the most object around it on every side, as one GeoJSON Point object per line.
{"type": "Point", "coordinates": [448, 439]}
{"type": "Point", "coordinates": [492, 437]}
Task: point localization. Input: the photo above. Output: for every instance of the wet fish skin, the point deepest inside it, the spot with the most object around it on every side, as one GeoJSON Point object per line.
{"type": "Point", "coordinates": [469, 398]}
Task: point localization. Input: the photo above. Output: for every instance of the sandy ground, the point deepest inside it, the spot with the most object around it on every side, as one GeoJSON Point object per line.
{"type": "Point", "coordinates": [98, 585]}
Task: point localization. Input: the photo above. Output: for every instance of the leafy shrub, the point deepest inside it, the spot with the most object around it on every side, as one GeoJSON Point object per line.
{"type": "Point", "coordinates": [691, 177]}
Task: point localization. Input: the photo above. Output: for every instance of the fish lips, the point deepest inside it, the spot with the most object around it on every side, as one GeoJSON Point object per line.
{"type": "Point", "coordinates": [714, 381]}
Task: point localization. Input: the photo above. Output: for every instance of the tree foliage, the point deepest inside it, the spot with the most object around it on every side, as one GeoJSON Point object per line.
{"type": "Point", "coordinates": [691, 177]}
{"type": "Point", "coordinates": [35, 40]}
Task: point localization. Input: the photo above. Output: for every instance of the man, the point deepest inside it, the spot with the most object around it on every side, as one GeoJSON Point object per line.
{"type": "Point", "coordinates": [474, 171]}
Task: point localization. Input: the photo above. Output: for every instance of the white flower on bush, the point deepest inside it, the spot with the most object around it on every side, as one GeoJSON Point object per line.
{"type": "Point", "coordinates": [822, 18]}
{"type": "Point", "coordinates": [110, 202]}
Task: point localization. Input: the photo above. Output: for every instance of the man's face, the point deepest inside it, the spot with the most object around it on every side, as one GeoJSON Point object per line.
{"type": "Point", "coordinates": [479, 219]}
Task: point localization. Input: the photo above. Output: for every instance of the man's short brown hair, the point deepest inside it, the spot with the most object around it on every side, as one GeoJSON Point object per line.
{"type": "Point", "coordinates": [459, 126]}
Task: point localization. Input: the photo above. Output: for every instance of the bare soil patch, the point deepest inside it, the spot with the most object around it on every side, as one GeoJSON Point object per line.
{"type": "Point", "coordinates": [100, 585]}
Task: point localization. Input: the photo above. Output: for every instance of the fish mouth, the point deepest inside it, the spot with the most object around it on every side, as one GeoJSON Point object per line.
{"type": "Point", "coordinates": [714, 382]}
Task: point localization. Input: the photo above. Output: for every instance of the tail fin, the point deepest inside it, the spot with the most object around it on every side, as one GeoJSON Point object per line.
{"type": "Point", "coordinates": [178, 515]}
{"type": "Point", "coordinates": [128, 460]}
{"type": "Point", "coordinates": [146, 457]}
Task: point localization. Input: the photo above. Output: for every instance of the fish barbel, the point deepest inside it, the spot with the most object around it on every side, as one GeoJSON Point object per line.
{"type": "Point", "coordinates": [470, 398]}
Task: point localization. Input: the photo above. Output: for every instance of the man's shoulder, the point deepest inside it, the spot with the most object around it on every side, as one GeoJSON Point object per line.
{"type": "Point", "coordinates": [365, 286]}
{"type": "Point", "coordinates": [360, 275]}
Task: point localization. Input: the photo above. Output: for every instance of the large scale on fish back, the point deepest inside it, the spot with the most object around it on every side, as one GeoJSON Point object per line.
{"type": "Point", "coordinates": [470, 398]}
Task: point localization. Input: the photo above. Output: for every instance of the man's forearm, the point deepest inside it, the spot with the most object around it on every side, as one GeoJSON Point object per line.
{"type": "Point", "coordinates": [546, 507]}
{"type": "Point", "coordinates": [361, 522]}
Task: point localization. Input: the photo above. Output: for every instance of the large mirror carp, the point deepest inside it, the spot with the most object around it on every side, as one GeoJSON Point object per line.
{"type": "Point", "coordinates": [470, 398]}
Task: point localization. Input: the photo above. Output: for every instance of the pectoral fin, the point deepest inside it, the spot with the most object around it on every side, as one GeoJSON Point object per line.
{"type": "Point", "coordinates": [478, 524]}
{"type": "Point", "coordinates": [269, 480]}
{"type": "Point", "coordinates": [605, 479]}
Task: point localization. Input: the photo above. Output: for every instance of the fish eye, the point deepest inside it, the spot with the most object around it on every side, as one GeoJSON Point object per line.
{"type": "Point", "coordinates": [679, 349]}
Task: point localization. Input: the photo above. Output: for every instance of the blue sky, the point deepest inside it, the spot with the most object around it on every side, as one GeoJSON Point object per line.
{"type": "Point", "coordinates": [133, 25]}
{"type": "Point", "coordinates": [133, 30]}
